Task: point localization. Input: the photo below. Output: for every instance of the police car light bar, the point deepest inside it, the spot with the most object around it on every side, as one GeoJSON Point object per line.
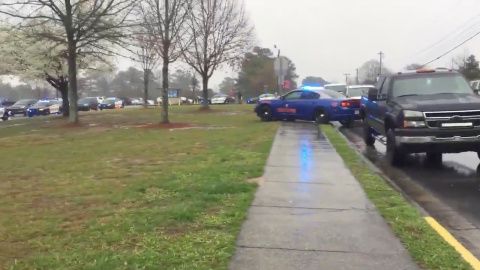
{"type": "Point", "coordinates": [306, 87]}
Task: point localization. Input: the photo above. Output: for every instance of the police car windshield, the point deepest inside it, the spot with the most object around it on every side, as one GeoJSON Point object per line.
{"type": "Point", "coordinates": [430, 84]}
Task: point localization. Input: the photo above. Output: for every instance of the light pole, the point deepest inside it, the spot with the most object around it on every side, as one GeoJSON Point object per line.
{"type": "Point", "coordinates": [279, 75]}
{"type": "Point", "coordinates": [346, 77]}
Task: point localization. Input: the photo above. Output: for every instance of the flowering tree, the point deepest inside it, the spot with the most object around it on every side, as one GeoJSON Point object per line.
{"type": "Point", "coordinates": [25, 56]}
{"type": "Point", "coordinates": [72, 29]}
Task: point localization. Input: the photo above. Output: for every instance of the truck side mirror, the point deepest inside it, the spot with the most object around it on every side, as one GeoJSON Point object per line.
{"type": "Point", "coordinates": [372, 94]}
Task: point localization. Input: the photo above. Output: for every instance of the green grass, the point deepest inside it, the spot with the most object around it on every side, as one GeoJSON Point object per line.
{"type": "Point", "coordinates": [113, 195]}
{"type": "Point", "coordinates": [426, 247]}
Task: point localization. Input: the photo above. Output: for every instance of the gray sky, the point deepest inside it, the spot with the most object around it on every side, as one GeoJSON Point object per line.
{"type": "Point", "coordinates": [328, 38]}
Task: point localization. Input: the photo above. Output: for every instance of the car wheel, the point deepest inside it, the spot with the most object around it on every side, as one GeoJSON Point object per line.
{"type": "Point", "coordinates": [321, 116]}
{"type": "Point", "coordinates": [346, 123]}
{"type": "Point", "coordinates": [395, 155]}
{"type": "Point", "coordinates": [434, 158]}
{"type": "Point", "coordinates": [368, 136]}
{"type": "Point", "coordinates": [30, 115]}
{"type": "Point", "coordinates": [265, 113]}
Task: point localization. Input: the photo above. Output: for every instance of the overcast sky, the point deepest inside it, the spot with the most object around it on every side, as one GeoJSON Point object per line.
{"type": "Point", "coordinates": [328, 38]}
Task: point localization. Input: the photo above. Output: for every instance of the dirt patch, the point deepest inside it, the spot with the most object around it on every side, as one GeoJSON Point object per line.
{"type": "Point", "coordinates": [259, 181]}
{"type": "Point", "coordinates": [73, 126]}
{"type": "Point", "coordinates": [167, 126]}
{"type": "Point", "coordinates": [209, 110]}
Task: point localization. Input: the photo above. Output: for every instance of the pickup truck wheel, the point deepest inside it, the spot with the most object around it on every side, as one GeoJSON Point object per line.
{"type": "Point", "coordinates": [434, 158]}
{"type": "Point", "coordinates": [395, 154]}
{"type": "Point", "coordinates": [321, 116]}
{"type": "Point", "coordinates": [368, 137]}
{"type": "Point", "coordinates": [265, 113]}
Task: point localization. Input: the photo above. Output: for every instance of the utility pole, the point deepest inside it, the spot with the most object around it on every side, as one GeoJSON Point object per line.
{"type": "Point", "coordinates": [357, 77]}
{"type": "Point", "coordinates": [346, 77]}
{"type": "Point", "coordinates": [279, 75]}
{"type": "Point", "coordinates": [381, 56]}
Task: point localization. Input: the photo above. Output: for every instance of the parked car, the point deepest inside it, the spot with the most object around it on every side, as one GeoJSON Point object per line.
{"type": "Point", "coordinates": [339, 87]}
{"type": "Point", "coordinates": [45, 107]}
{"type": "Point", "coordinates": [108, 104]}
{"type": "Point", "coordinates": [87, 104]}
{"type": "Point", "coordinates": [222, 99]}
{"type": "Point", "coordinates": [321, 106]}
{"type": "Point", "coordinates": [118, 101]}
{"type": "Point", "coordinates": [20, 107]}
{"type": "Point", "coordinates": [159, 101]}
{"type": "Point", "coordinates": [475, 86]}
{"type": "Point", "coordinates": [6, 102]}
{"type": "Point", "coordinates": [432, 111]}
{"type": "Point", "coordinates": [126, 101]}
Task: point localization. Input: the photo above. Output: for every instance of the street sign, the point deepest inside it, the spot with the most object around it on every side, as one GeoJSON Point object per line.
{"type": "Point", "coordinates": [286, 84]}
{"type": "Point", "coordinates": [281, 65]}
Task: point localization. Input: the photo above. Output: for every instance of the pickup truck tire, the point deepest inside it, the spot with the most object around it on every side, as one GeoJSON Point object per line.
{"type": "Point", "coordinates": [321, 116]}
{"type": "Point", "coordinates": [265, 113]}
{"type": "Point", "coordinates": [434, 158]}
{"type": "Point", "coordinates": [368, 137]}
{"type": "Point", "coordinates": [395, 155]}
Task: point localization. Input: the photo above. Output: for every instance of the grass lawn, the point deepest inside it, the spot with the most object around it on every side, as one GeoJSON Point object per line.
{"type": "Point", "coordinates": [119, 193]}
{"type": "Point", "coordinates": [426, 247]}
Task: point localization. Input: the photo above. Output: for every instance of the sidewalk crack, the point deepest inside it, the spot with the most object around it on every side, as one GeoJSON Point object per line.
{"type": "Point", "coordinates": [309, 250]}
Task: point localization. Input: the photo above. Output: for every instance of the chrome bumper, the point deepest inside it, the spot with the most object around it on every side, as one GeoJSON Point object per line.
{"type": "Point", "coordinates": [433, 139]}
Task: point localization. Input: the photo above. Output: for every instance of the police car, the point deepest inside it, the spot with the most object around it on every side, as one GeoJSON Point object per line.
{"type": "Point", "coordinates": [45, 107]}
{"type": "Point", "coordinates": [311, 104]}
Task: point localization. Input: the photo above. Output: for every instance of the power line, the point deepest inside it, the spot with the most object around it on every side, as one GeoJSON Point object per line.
{"type": "Point", "coordinates": [453, 48]}
{"type": "Point", "coordinates": [448, 36]}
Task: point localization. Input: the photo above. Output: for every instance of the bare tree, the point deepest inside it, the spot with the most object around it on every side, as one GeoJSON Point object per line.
{"type": "Point", "coordinates": [221, 34]}
{"type": "Point", "coordinates": [84, 27]}
{"type": "Point", "coordinates": [166, 23]}
{"type": "Point", "coordinates": [147, 56]}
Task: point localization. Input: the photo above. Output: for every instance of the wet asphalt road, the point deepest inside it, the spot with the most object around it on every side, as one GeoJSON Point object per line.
{"type": "Point", "coordinates": [447, 192]}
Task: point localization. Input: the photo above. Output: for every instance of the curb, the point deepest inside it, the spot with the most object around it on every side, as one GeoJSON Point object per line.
{"type": "Point", "coordinates": [387, 179]}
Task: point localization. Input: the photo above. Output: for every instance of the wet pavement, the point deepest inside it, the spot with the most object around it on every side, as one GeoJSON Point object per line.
{"type": "Point", "coordinates": [311, 213]}
{"type": "Point", "coordinates": [448, 192]}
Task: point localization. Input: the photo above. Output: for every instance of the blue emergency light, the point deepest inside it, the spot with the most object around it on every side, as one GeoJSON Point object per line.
{"type": "Point", "coordinates": [307, 87]}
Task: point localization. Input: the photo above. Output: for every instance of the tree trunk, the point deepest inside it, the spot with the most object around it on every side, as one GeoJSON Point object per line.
{"type": "Point", "coordinates": [205, 92]}
{"type": "Point", "coordinates": [72, 79]}
{"type": "Point", "coordinates": [145, 87]}
{"type": "Point", "coordinates": [165, 91]}
{"type": "Point", "coordinates": [65, 105]}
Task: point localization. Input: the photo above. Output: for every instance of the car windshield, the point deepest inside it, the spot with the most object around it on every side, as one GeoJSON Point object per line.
{"type": "Point", "coordinates": [332, 93]}
{"type": "Point", "coordinates": [23, 102]}
{"type": "Point", "coordinates": [430, 84]}
{"type": "Point", "coordinates": [355, 92]}
{"type": "Point", "coordinates": [338, 88]}
{"type": "Point", "coordinates": [220, 96]}
{"type": "Point", "coordinates": [110, 101]}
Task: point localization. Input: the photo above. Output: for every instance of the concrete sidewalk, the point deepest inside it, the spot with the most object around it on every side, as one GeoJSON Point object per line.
{"type": "Point", "coordinates": [311, 213]}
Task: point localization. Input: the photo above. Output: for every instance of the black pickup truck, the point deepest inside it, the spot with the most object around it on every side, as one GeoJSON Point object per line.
{"type": "Point", "coordinates": [432, 111]}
